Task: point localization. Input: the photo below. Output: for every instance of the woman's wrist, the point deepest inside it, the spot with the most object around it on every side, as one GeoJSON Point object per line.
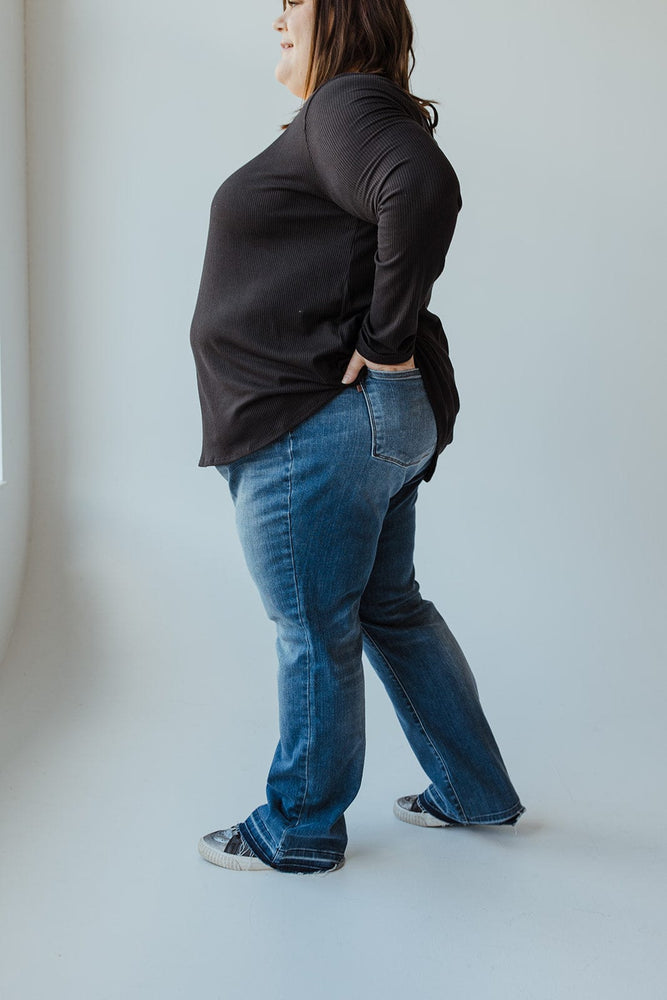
{"type": "Point", "coordinates": [357, 362]}
{"type": "Point", "coordinates": [410, 363]}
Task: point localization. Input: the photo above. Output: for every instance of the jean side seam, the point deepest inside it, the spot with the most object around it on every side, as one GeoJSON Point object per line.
{"type": "Point", "coordinates": [305, 633]}
{"type": "Point", "coordinates": [421, 724]}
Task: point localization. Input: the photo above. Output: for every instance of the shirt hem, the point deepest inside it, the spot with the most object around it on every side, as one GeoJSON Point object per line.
{"type": "Point", "coordinates": [206, 461]}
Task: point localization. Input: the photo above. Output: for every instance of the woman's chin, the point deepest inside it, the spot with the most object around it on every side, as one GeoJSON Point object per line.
{"type": "Point", "coordinates": [283, 75]}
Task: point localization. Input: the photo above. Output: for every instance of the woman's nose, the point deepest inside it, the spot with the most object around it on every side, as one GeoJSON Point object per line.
{"type": "Point", "coordinates": [279, 23]}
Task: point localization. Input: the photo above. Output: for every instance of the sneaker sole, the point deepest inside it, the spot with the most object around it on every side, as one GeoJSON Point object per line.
{"type": "Point", "coordinates": [418, 819]}
{"type": "Point", "coordinates": [239, 863]}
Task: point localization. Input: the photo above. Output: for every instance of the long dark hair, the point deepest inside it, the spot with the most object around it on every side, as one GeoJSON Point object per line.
{"type": "Point", "coordinates": [365, 36]}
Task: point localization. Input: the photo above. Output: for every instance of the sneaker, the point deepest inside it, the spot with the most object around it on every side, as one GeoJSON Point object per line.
{"type": "Point", "coordinates": [228, 849]}
{"type": "Point", "coordinates": [408, 809]}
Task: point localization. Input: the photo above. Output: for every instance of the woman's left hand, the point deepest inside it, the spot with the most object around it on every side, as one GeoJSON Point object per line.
{"type": "Point", "coordinates": [357, 362]}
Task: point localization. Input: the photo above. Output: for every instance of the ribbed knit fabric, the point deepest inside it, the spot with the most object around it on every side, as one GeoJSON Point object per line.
{"type": "Point", "coordinates": [329, 239]}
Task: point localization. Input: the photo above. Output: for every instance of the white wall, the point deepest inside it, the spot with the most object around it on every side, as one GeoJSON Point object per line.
{"type": "Point", "coordinates": [138, 694]}
{"type": "Point", "coordinates": [13, 319]}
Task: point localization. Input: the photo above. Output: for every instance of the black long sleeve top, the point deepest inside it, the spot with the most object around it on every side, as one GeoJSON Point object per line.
{"type": "Point", "coordinates": [329, 240]}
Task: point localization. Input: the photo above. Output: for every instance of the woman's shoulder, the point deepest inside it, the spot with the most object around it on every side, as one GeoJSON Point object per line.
{"type": "Point", "coordinates": [340, 92]}
{"type": "Point", "coordinates": [351, 81]}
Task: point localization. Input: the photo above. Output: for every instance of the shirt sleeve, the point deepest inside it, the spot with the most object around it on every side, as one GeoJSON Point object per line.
{"type": "Point", "coordinates": [377, 162]}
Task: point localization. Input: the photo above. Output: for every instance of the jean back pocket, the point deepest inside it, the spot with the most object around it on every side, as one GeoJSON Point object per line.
{"type": "Point", "coordinates": [402, 421]}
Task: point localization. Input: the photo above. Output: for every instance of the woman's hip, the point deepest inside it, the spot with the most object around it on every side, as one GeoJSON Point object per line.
{"type": "Point", "coordinates": [382, 427]}
{"type": "Point", "coordinates": [311, 505]}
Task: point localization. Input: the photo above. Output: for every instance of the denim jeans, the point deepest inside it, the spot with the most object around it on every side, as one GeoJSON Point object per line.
{"type": "Point", "coordinates": [326, 519]}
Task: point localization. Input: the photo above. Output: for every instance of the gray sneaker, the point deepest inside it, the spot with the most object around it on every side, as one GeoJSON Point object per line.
{"type": "Point", "coordinates": [228, 849]}
{"type": "Point", "coordinates": [408, 809]}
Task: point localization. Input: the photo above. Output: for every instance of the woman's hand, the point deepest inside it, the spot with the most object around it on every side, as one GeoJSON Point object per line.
{"type": "Point", "coordinates": [357, 362]}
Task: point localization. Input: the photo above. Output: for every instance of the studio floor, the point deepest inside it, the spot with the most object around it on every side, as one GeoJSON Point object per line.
{"type": "Point", "coordinates": [114, 766]}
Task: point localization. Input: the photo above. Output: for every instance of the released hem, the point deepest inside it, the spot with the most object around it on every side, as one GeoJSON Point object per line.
{"type": "Point", "coordinates": [303, 861]}
{"type": "Point", "coordinates": [507, 816]}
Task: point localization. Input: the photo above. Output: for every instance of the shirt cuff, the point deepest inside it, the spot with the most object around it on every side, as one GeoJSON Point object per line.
{"type": "Point", "coordinates": [384, 358]}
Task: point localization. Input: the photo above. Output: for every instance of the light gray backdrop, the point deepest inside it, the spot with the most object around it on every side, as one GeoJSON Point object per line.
{"type": "Point", "coordinates": [138, 691]}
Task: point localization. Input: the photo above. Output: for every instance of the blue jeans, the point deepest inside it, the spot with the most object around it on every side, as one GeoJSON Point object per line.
{"type": "Point", "coordinates": [326, 519]}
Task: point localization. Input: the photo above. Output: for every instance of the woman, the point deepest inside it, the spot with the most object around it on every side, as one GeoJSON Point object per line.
{"type": "Point", "coordinates": [327, 395]}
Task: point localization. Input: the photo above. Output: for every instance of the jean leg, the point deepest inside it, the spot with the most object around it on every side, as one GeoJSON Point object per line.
{"type": "Point", "coordinates": [430, 683]}
{"type": "Point", "coordinates": [308, 516]}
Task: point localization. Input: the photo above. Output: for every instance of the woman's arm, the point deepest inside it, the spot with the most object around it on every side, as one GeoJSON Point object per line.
{"type": "Point", "coordinates": [381, 165]}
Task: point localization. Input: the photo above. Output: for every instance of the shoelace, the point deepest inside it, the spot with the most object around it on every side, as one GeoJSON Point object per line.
{"type": "Point", "coordinates": [237, 845]}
